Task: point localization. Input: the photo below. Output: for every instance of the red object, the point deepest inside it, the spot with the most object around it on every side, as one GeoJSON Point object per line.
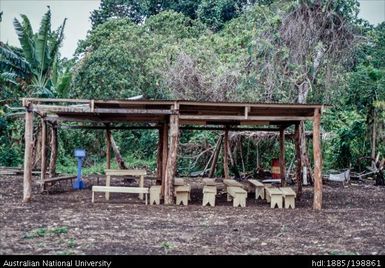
{"type": "Point", "coordinates": [275, 169]}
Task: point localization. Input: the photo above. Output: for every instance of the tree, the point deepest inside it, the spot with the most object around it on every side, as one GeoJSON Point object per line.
{"type": "Point", "coordinates": [122, 59]}
{"type": "Point", "coordinates": [212, 13]}
{"type": "Point", "coordinates": [367, 83]}
{"type": "Point", "coordinates": [35, 65]}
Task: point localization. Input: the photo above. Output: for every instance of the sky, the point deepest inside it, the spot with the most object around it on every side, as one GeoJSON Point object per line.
{"type": "Point", "coordinates": [78, 13]}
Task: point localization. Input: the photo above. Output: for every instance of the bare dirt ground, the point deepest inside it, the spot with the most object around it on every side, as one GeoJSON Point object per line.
{"type": "Point", "coordinates": [66, 222]}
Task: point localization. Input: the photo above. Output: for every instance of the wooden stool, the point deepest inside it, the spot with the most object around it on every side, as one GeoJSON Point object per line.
{"type": "Point", "coordinates": [238, 195]}
{"type": "Point", "coordinates": [209, 193]}
{"type": "Point", "coordinates": [265, 188]}
{"type": "Point", "coordinates": [155, 194]}
{"type": "Point", "coordinates": [275, 196]}
{"type": "Point", "coordinates": [182, 194]}
{"type": "Point", "coordinates": [288, 196]}
{"type": "Point", "coordinates": [259, 189]}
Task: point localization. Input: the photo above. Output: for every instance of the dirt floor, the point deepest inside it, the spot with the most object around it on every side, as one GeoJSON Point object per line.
{"type": "Point", "coordinates": [66, 222]}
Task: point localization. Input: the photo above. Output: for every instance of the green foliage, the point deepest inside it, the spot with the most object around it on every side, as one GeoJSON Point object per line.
{"type": "Point", "coordinates": [232, 50]}
{"type": "Point", "coordinates": [43, 231]}
{"type": "Point", "coordinates": [32, 68]}
{"type": "Point", "coordinates": [123, 58]}
{"type": "Point", "coordinates": [213, 13]}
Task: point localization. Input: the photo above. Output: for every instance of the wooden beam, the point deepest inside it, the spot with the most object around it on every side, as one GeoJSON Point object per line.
{"type": "Point", "coordinates": [242, 118]}
{"type": "Point", "coordinates": [28, 137]}
{"type": "Point", "coordinates": [45, 100]}
{"type": "Point", "coordinates": [282, 164]}
{"type": "Point", "coordinates": [43, 164]}
{"type": "Point", "coordinates": [108, 149]}
{"type": "Point", "coordinates": [53, 157]}
{"type": "Point", "coordinates": [164, 155]}
{"type": "Point", "coordinates": [226, 154]}
{"type": "Point", "coordinates": [171, 160]}
{"type": "Point", "coordinates": [298, 158]}
{"type": "Point", "coordinates": [215, 158]}
{"type": "Point", "coordinates": [83, 108]}
{"type": "Point", "coordinates": [317, 202]}
{"type": "Point", "coordinates": [182, 127]}
{"type": "Point", "coordinates": [110, 127]}
{"type": "Point", "coordinates": [230, 128]}
{"type": "Point", "coordinates": [131, 111]}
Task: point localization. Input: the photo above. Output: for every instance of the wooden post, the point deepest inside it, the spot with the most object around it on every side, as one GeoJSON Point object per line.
{"type": "Point", "coordinates": [215, 158]}
{"type": "Point", "coordinates": [159, 165]}
{"type": "Point", "coordinates": [108, 149]}
{"type": "Point", "coordinates": [164, 156]}
{"type": "Point", "coordinates": [53, 157]}
{"type": "Point", "coordinates": [373, 138]}
{"type": "Point", "coordinates": [282, 164]}
{"type": "Point", "coordinates": [118, 156]}
{"type": "Point", "coordinates": [171, 160]}
{"type": "Point", "coordinates": [298, 158]}
{"type": "Point", "coordinates": [226, 154]}
{"type": "Point", "coordinates": [317, 202]}
{"type": "Point", "coordinates": [43, 164]}
{"type": "Point", "coordinates": [28, 137]}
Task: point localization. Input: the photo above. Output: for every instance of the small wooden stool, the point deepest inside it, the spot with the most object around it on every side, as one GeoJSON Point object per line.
{"type": "Point", "coordinates": [275, 196]}
{"type": "Point", "coordinates": [209, 193]}
{"type": "Point", "coordinates": [259, 189]}
{"type": "Point", "coordinates": [238, 195]}
{"type": "Point", "coordinates": [155, 194]}
{"type": "Point", "coordinates": [288, 196]}
{"type": "Point", "coordinates": [182, 194]}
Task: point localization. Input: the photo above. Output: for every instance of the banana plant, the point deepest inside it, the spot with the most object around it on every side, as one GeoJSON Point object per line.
{"type": "Point", "coordinates": [34, 67]}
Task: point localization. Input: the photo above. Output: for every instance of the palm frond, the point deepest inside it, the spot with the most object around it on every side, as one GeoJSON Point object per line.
{"type": "Point", "coordinates": [9, 77]}
{"type": "Point", "coordinates": [10, 60]}
{"type": "Point", "coordinates": [23, 34]}
{"type": "Point", "coordinates": [42, 41]}
{"type": "Point", "coordinates": [57, 41]}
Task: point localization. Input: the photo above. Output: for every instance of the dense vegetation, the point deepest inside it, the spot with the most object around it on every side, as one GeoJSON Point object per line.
{"type": "Point", "coordinates": [274, 51]}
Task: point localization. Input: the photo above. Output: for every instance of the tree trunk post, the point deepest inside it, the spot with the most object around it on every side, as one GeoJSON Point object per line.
{"type": "Point", "coordinates": [282, 164]}
{"type": "Point", "coordinates": [53, 157]}
{"type": "Point", "coordinates": [159, 165]}
{"type": "Point", "coordinates": [108, 149]}
{"type": "Point", "coordinates": [164, 155]}
{"type": "Point", "coordinates": [226, 154]}
{"type": "Point", "coordinates": [28, 137]}
{"type": "Point", "coordinates": [298, 158]}
{"type": "Point", "coordinates": [215, 158]}
{"type": "Point", "coordinates": [317, 202]}
{"type": "Point", "coordinates": [43, 164]}
{"type": "Point", "coordinates": [373, 138]}
{"type": "Point", "coordinates": [118, 156]}
{"type": "Point", "coordinates": [172, 159]}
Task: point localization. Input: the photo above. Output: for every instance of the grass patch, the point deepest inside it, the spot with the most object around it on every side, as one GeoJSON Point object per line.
{"type": "Point", "coordinates": [72, 243]}
{"type": "Point", "coordinates": [167, 246]}
{"type": "Point", "coordinates": [43, 232]}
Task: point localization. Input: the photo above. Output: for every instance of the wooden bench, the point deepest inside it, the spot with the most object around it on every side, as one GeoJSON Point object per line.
{"type": "Point", "coordinates": [117, 189]}
{"type": "Point", "coordinates": [182, 194]}
{"type": "Point", "coordinates": [275, 197]}
{"type": "Point", "coordinates": [209, 193]}
{"type": "Point", "coordinates": [259, 188]}
{"type": "Point", "coordinates": [288, 196]}
{"type": "Point", "coordinates": [231, 183]}
{"type": "Point", "coordinates": [209, 182]}
{"type": "Point", "coordinates": [125, 172]}
{"type": "Point", "coordinates": [155, 192]}
{"type": "Point", "coordinates": [238, 195]}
